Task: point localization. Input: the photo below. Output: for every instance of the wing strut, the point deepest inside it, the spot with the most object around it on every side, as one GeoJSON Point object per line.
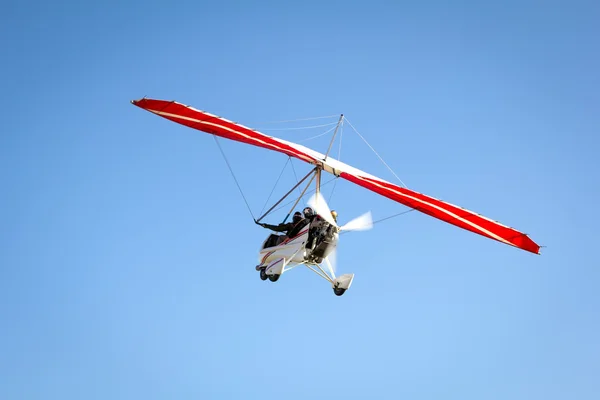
{"type": "Point", "coordinates": [312, 172]}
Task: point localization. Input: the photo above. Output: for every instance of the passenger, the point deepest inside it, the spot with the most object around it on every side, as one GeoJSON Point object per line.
{"type": "Point", "coordinates": [334, 215]}
{"type": "Point", "coordinates": [308, 216]}
{"type": "Point", "coordinates": [284, 227]}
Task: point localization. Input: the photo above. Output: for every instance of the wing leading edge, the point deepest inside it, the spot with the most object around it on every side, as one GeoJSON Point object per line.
{"type": "Point", "coordinates": [439, 209]}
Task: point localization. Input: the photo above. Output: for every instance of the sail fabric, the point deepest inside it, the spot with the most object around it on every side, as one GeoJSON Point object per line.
{"type": "Point", "coordinates": [439, 209]}
{"type": "Point", "coordinates": [218, 126]}
{"type": "Point", "coordinates": [447, 212]}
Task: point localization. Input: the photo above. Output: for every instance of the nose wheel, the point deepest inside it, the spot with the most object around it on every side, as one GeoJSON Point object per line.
{"type": "Point", "coordinates": [263, 274]}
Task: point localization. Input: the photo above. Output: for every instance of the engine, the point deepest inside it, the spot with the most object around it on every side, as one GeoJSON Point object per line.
{"type": "Point", "coordinates": [322, 240]}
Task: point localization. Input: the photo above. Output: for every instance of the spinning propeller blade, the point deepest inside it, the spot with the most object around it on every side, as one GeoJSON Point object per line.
{"type": "Point", "coordinates": [332, 261]}
{"type": "Point", "coordinates": [317, 202]}
{"type": "Point", "coordinates": [362, 223]}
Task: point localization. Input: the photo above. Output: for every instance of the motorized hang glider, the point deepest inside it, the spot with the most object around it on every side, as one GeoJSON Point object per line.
{"type": "Point", "coordinates": [441, 210]}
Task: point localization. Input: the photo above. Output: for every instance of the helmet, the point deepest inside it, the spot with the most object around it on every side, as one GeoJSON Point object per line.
{"type": "Point", "coordinates": [297, 216]}
{"type": "Point", "coordinates": [334, 215]}
{"type": "Point", "coordinates": [308, 212]}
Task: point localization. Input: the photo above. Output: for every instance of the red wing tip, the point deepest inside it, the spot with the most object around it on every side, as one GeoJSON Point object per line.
{"type": "Point", "coordinates": [539, 252]}
{"type": "Point", "coordinates": [135, 102]}
{"type": "Point", "coordinates": [535, 251]}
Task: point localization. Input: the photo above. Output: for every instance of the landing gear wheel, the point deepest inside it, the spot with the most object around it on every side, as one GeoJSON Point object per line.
{"type": "Point", "coordinates": [274, 278]}
{"type": "Point", "coordinates": [263, 274]}
{"type": "Point", "coordinates": [339, 291]}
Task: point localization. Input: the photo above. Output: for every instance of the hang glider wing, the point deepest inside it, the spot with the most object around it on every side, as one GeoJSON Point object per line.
{"type": "Point", "coordinates": [444, 211]}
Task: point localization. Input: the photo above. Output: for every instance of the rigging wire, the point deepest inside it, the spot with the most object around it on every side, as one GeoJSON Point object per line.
{"type": "Point", "coordinates": [298, 128]}
{"type": "Point", "coordinates": [234, 178]}
{"type": "Point", "coordinates": [339, 159]}
{"type": "Point", "coordinates": [395, 215]}
{"type": "Point", "coordinates": [314, 137]}
{"type": "Point", "coordinates": [383, 219]}
{"type": "Point", "coordinates": [276, 182]}
{"type": "Point", "coordinates": [302, 194]}
{"type": "Point", "coordinates": [332, 190]}
{"type": "Point", "coordinates": [400, 180]}
{"type": "Point", "coordinates": [295, 175]}
{"type": "Point", "coordinates": [307, 192]}
{"type": "Point", "coordinates": [299, 119]}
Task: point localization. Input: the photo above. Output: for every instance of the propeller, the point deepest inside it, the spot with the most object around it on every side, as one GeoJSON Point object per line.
{"type": "Point", "coordinates": [362, 223]}
{"type": "Point", "coordinates": [317, 202]}
{"type": "Point", "coordinates": [331, 262]}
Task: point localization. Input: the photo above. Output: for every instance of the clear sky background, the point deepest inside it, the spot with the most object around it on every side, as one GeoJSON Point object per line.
{"type": "Point", "coordinates": [127, 253]}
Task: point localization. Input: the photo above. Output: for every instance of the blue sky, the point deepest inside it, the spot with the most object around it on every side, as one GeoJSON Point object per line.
{"type": "Point", "coordinates": [127, 254]}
